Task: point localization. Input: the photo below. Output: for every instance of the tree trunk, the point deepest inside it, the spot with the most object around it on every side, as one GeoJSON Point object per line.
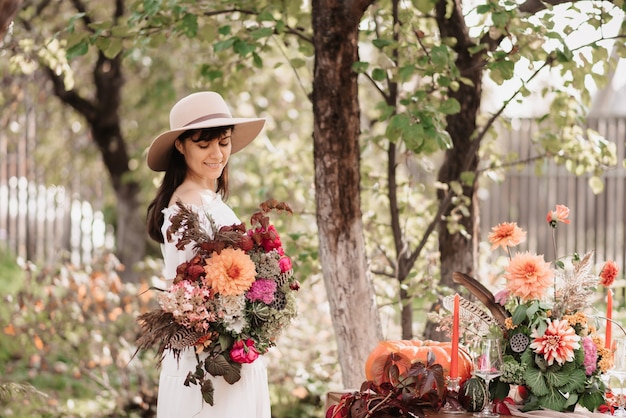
{"type": "Point", "coordinates": [102, 115]}
{"type": "Point", "coordinates": [8, 10]}
{"type": "Point", "coordinates": [337, 178]}
{"type": "Point", "coordinates": [458, 252]}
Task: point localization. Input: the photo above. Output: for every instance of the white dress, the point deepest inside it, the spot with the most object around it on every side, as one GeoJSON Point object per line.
{"type": "Point", "coordinates": [249, 397]}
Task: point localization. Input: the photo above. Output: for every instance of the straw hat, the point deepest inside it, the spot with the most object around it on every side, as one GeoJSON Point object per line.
{"type": "Point", "coordinates": [200, 110]}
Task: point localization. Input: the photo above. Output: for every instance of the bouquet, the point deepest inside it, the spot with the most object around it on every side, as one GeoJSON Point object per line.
{"type": "Point", "coordinates": [229, 302]}
{"type": "Point", "coordinates": [553, 353]}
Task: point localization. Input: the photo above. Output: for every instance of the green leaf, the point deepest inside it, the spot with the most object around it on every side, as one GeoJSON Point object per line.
{"type": "Point", "coordinates": [114, 48]}
{"type": "Point", "coordinates": [224, 30]}
{"type": "Point", "coordinates": [424, 6]}
{"type": "Point", "coordinates": [444, 141]}
{"type": "Point", "coordinates": [261, 33]}
{"type": "Point", "coordinates": [381, 43]}
{"type": "Point", "coordinates": [77, 50]}
{"type": "Point", "coordinates": [71, 23]}
{"type": "Point", "coordinates": [265, 16]}
{"type": "Point", "coordinates": [379, 74]}
{"type": "Point", "coordinates": [360, 67]}
{"type": "Point", "coordinates": [591, 400]}
{"type": "Point", "coordinates": [243, 48]}
{"type": "Point", "coordinates": [532, 310]}
{"type": "Point", "coordinates": [500, 19]}
{"type": "Point", "coordinates": [483, 8]}
{"type": "Point", "coordinates": [467, 177]}
{"type": "Point", "coordinates": [151, 7]}
{"type": "Point", "coordinates": [553, 400]}
{"type": "Point", "coordinates": [440, 56]}
{"type": "Point", "coordinates": [258, 61]}
{"type": "Point", "coordinates": [406, 72]}
{"type": "Point", "coordinates": [189, 25]}
{"type": "Point", "coordinates": [207, 391]}
{"type": "Point", "coordinates": [224, 45]}
{"type": "Point", "coordinates": [450, 107]}
{"type": "Point", "coordinates": [233, 375]}
{"type": "Point", "coordinates": [217, 366]}
{"type": "Point", "coordinates": [297, 62]}
{"type": "Point", "coordinates": [519, 315]}
{"type": "Point", "coordinates": [210, 73]}
{"type": "Point", "coordinates": [534, 379]}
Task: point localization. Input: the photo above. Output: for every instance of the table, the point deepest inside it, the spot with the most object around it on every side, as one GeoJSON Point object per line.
{"type": "Point", "coordinates": [334, 397]}
{"type": "Point", "coordinates": [433, 414]}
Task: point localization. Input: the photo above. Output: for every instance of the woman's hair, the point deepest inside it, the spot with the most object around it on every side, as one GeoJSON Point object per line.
{"type": "Point", "coordinates": [175, 175]}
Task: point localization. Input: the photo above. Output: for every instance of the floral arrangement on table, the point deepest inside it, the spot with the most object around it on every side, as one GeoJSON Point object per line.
{"type": "Point", "coordinates": [230, 301]}
{"type": "Point", "coordinates": [553, 353]}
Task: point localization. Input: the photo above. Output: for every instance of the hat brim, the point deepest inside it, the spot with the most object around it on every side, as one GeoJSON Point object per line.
{"type": "Point", "coordinates": [245, 131]}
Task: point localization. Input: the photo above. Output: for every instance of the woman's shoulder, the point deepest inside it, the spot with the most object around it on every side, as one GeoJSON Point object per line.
{"type": "Point", "coordinates": [193, 197]}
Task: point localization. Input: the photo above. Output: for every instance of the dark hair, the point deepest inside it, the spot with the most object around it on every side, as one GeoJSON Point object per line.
{"type": "Point", "coordinates": [175, 175]}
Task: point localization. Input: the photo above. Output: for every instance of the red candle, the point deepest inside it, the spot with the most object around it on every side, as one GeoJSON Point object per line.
{"type": "Point", "coordinates": [454, 351]}
{"type": "Point", "coordinates": [609, 316]}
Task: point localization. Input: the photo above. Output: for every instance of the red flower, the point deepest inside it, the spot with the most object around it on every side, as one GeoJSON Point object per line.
{"type": "Point", "coordinates": [268, 238]}
{"type": "Point", "coordinates": [244, 353]}
{"type": "Point", "coordinates": [608, 273]}
{"type": "Point", "coordinates": [560, 214]}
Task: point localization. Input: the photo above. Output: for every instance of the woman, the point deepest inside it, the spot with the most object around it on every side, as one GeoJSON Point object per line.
{"type": "Point", "coordinates": [194, 154]}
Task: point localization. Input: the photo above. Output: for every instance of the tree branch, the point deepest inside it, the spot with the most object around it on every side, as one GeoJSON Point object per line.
{"type": "Point", "coordinates": [534, 6]}
{"type": "Point", "coordinates": [71, 97]}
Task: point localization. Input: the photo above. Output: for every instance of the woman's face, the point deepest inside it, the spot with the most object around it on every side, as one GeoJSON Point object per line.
{"type": "Point", "coordinates": [205, 159]}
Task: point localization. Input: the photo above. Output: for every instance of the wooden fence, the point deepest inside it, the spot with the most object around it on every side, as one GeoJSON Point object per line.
{"type": "Point", "coordinates": [38, 221]}
{"type": "Point", "coordinates": [45, 223]}
{"type": "Point", "coordinates": [598, 222]}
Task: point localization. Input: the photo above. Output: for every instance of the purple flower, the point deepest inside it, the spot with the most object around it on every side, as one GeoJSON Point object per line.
{"type": "Point", "coordinates": [591, 356]}
{"type": "Point", "coordinates": [263, 290]}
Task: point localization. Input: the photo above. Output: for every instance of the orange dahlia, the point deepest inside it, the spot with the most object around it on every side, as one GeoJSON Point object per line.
{"type": "Point", "coordinates": [608, 273]}
{"type": "Point", "coordinates": [230, 273]}
{"type": "Point", "coordinates": [557, 343]}
{"type": "Point", "coordinates": [506, 234]}
{"type": "Point", "coordinates": [528, 276]}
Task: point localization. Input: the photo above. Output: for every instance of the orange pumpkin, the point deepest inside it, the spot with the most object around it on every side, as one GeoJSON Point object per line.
{"type": "Point", "coordinates": [403, 353]}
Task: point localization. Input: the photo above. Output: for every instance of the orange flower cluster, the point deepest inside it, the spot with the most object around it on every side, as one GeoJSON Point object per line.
{"type": "Point", "coordinates": [230, 273]}
{"type": "Point", "coordinates": [528, 276]}
{"type": "Point", "coordinates": [506, 234]}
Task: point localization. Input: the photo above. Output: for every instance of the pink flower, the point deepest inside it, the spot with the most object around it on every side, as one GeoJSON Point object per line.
{"type": "Point", "coordinates": [506, 234]}
{"type": "Point", "coordinates": [557, 343]}
{"type": "Point", "coordinates": [591, 356]}
{"type": "Point", "coordinates": [244, 352]}
{"type": "Point", "coordinates": [528, 276]}
{"type": "Point", "coordinates": [608, 273]}
{"type": "Point", "coordinates": [501, 296]}
{"type": "Point", "coordinates": [560, 214]}
{"type": "Point", "coordinates": [285, 264]}
{"type": "Point", "coordinates": [263, 290]}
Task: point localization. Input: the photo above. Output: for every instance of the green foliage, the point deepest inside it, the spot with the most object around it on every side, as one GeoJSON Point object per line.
{"type": "Point", "coordinates": [73, 335]}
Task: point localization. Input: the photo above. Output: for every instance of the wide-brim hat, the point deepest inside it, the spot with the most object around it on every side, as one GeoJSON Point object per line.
{"type": "Point", "coordinates": [205, 109]}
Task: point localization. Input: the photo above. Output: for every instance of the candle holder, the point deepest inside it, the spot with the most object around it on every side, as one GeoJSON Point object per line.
{"type": "Point", "coordinates": [452, 405]}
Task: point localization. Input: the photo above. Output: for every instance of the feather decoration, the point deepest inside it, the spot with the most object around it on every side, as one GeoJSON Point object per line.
{"type": "Point", "coordinates": [471, 312]}
{"type": "Point", "coordinates": [482, 294]}
{"type": "Point", "coordinates": [160, 331]}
